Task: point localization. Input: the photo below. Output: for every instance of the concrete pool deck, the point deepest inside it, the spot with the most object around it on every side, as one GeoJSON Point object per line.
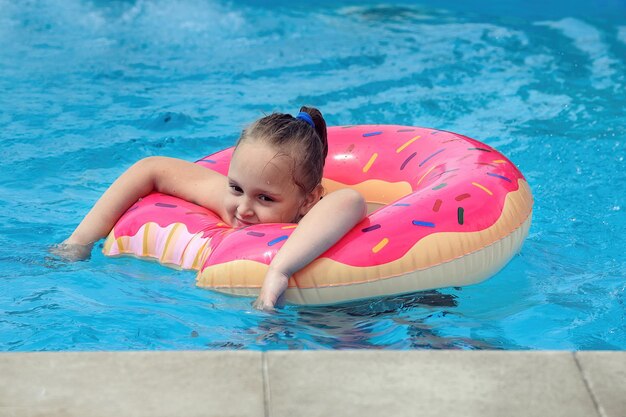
{"type": "Point", "coordinates": [313, 383]}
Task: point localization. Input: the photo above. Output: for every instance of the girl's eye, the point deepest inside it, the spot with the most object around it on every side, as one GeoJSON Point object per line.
{"type": "Point", "coordinates": [265, 198]}
{"type": "Point", "coordinates": [236, 188]}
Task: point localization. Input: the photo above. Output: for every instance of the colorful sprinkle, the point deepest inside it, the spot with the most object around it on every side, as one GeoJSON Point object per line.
{"type": "Point", "coordinates": [406, 161]}
{"type": "Point", "coordinates": [278, 239]}
{"type": "Point", "coordinates": [421, 223]}
{"type": "Point", "coordinates": [132, 208]}
{"type": "Point", "coordinates": [440, 186]}
{"type": "Point", "coordinates": [460, 213]}
{"type": "Point", "coordinates": [257, 234]}
{"type": "Point", "coordinates": [380, 245]}
{"type": "Point", "coordinates": [196, 213]}
{"type": "Point", "coordinates": [370, 162]}
{"type": "Point", "coordinates": [486, 164]}
{"type": "Point", "coordinates": [220, 224]}
{"type": "Point", "coordinates": [445, 172]}
{"type": "Point", "coordinates": [498, 176]}
{"type": "Point", "coordinates": [499, 161]}
{"type": "Point", "coordinates": [436, 153]}
{"type": "Point", "coordinates": [165, 205]}
{"type": "Point", "coordinates": [437, 205]}
{"type": "Point", "coordinates": [424, 176]}
{"type": "Point", "coordinates": [291, 226]}
{"type": "Point", "coordinates": [462, 197]}
{"type": "Point", "coordinates": [210, 161]}
{"type": "Point", "coordinates": [478, 149]}
{"type": "Point", "coordinates": [482, 187]}
{"type": "Point", "coordinates": [365, 135]}
{"type": "Point", "coordinates": [405, 130]}
{"type": "Point", "coordinates": [370, 228]}
{"type": "Point", "coordinates": [401, 205]}
{"type": "Point", "coordinates": [407, 143]}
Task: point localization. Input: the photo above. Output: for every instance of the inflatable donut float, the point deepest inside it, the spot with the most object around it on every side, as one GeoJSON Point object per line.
{"type": "Point", "coordinates": [447, 211]}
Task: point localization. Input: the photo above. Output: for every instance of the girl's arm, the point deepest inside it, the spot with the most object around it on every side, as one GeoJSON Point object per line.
{"type": "Point", "coordinates": [171, 176]}
{"type": "Point", "coordinates": [327, 222]}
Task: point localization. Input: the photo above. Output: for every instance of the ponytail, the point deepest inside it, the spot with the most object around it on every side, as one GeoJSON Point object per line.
{"type": "Point", "coordinates": [320, 126]}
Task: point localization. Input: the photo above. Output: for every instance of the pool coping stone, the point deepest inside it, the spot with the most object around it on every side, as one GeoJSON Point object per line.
{"type": "Point", "coordinates": [313, 383]}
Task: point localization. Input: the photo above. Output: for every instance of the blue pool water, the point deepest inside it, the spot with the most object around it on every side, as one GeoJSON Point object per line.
{"type": "Point", "coordinates": [89, 87]}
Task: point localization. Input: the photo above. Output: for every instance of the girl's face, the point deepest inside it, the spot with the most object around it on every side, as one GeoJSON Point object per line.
{"type": "Point", "coordinates": [261, 187]}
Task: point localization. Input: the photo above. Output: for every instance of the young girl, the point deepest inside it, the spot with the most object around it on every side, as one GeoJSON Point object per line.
{"type": "Point", "coordinates": [274, 177]}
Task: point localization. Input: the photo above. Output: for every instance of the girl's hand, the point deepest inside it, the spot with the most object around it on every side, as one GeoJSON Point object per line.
{"type": "Point", "coordinates": [274, 285]}
{"type": "Point", "coordinates": [72, 252]}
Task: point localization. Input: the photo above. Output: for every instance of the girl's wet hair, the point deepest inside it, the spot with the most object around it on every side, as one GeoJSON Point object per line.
{"type": "Point", "coordinates": [307, 145]}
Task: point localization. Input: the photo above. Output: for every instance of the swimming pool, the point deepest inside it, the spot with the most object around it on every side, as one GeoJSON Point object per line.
{"type": "Point", "coordinates": [89, 87]}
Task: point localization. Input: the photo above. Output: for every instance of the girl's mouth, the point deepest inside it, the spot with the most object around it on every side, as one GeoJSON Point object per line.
{"type": "Point", "coordinates": [242, 223]}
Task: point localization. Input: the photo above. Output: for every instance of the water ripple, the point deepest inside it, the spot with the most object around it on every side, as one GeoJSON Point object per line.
{"type": "Point", "coordinates": [89, 87]}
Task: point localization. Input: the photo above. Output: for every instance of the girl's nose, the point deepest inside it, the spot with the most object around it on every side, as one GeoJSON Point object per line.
{"type": "Point", "coordinates": [244, 209]}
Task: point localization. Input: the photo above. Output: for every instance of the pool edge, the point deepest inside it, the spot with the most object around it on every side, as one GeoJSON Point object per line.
{"type": "Point", "coordinates": [313, 383]}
